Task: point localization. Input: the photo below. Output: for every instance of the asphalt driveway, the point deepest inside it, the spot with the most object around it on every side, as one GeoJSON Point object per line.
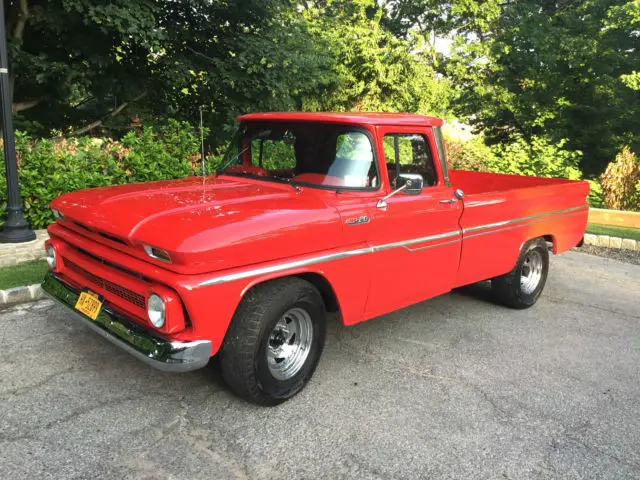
{"type": "Point", "coordinates": [455, 387]}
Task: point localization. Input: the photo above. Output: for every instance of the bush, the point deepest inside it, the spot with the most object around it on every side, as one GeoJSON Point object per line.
{"type": "Point", "coordinates": [595, 197]}
{"type": "Point", "coordinates": [167, 161]}
{"type": "Point", "coordinates": [50, 167]}
{"type": "Point", "coordinates": [469, 154]}
{"type": "Point", "coordinates": [539, 158]}
{"type": "Point", "coordinates": [621, 182]}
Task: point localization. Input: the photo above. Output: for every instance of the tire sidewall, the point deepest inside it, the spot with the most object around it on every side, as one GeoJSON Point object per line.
{"type": "Point", "coordinates": [528, 299]}
{"type": "Point", "coordinates": [310, 301]}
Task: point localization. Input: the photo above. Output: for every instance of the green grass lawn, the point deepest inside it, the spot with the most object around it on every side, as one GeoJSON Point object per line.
{"type": "Point", "coordinates": [22, 274]}
{"type": "Point", "coordinates": [622, 232]}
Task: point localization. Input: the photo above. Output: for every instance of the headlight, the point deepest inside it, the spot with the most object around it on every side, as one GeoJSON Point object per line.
{"type": "Point", "coordinates": [156, 310]}
{"type": "Point", "coordinates": [57, 214]}
{"type": "Point", "coordinates": [51, 257]}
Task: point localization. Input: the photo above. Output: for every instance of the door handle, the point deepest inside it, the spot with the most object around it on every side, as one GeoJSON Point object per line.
{"type": "Point", "coordinates": [451, 200]}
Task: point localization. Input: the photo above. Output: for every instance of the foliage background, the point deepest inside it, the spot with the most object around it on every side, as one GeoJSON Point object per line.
{"type": "Point", "coordinates": [549, 88]}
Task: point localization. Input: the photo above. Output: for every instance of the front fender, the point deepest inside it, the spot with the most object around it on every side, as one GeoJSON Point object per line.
{"type": "Point", "coordinates": [211, 301]}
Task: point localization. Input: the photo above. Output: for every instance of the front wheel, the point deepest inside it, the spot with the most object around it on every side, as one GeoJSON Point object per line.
{"type": "Point", "coordinates": [274, 341]}
{"type": "Point", "coordinates": [522, 286]}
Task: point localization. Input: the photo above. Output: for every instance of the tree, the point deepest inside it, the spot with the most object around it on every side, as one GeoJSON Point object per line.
{"type": "Point", "coordinates": [235, 57]}
{"type": "Point", "coordinates": [373, 70]}
{"type": "Point", "coordinates": [558, 69]}
{"type": "Point", "coordinates": [73, 59]}
{"type": "Point", "coordinates": [80, 65]}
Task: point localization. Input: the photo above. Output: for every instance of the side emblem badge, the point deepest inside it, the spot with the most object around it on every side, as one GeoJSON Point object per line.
{"type": "Point", "coordinates": [357, 220]}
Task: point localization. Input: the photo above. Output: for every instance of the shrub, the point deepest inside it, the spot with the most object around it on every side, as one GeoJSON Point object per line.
{"type": "Point", "coordinates": [150, 158]}
{"type": "Point", "coordinates": [469, 154]}
{"type": "Point", "coordinates": [50, 167]}
{"type": "Point", "coordinates": [621, 182]}
{"type": "Point", "coordinates": [540, 158]}
{"type": "Point", "coordinates": [595, 197]}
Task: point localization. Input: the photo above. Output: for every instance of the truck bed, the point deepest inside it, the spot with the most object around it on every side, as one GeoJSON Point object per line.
{"type": "Point", "coordinates": [473, 183]}
{"type": "Point", "coordinates": [502, 211]}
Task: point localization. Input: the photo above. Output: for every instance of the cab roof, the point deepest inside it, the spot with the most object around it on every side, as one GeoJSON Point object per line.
{"type": "Point", "coordinates": [355, 118]}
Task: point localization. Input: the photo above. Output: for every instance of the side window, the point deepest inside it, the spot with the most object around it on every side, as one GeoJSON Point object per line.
{"type": "Point", "coordinates": [272, 154]}
{"type": "Point", "coordinates": [409, 153]}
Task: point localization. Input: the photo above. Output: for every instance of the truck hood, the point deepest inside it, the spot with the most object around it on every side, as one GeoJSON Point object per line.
{"type": "Point", "coordinates": [206, 225]}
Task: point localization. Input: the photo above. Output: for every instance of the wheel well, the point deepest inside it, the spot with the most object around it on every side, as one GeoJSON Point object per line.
{"type": "Point", "coordinates": [549, 239]}
{"type": "Point", "coordinates": [325, 289]}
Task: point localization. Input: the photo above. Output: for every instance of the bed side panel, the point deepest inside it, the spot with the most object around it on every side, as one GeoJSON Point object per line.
{"type": "Point", "coordinates": [496, 225]}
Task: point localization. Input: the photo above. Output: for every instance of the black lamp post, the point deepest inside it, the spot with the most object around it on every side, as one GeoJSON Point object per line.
{"type": "Point", "coordinates": [16, 229]}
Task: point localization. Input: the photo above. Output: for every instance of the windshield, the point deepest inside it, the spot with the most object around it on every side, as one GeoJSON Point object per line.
{"type": "Point", "coordinates": [312, 154]}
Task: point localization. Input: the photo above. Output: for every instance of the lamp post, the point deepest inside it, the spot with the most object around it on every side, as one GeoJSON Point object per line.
{"type": "Point", "coordinates": [16, 229]}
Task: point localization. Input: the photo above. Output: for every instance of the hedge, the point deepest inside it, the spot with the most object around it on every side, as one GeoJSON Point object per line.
{"type": "Point", "coordinates": [50, 167]}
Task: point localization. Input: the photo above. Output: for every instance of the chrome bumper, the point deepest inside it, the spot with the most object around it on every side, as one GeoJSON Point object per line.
{"type": "Point", "coordinates": [151, 349]}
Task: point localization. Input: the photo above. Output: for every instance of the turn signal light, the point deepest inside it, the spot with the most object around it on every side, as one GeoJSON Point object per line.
{"type": "Point", "coordinates": [158, 253]}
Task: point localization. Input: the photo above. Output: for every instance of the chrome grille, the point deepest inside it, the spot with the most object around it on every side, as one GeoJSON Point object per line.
{"type": "Point", "coordinates": [124, 293]}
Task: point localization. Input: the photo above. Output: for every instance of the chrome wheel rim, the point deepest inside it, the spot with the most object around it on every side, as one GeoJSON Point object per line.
{"type": "Point", "coordinates": [289, 344]}
{"type": "Point", "coordinates": [531, 272]}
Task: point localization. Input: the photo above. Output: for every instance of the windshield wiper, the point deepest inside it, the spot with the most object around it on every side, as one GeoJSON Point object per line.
{"type": "Point", "coordinates": [288, 181]}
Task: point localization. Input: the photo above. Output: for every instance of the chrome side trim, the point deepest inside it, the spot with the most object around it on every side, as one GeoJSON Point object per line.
{"type": "Point", "coordinates": [521, 219]}
{"type": "Point", "coordinates": [405, 243]}
{"type": "Point", "coordinates": [426, 247]}
{"type": "Point", "coordinates": [283, 266]}
{"type": "Point", "coordinates": [512, 227]}
{"type": "Point", "coordinates": [326, 258]}
{"type": "Point", "coordinates": [378, 248]}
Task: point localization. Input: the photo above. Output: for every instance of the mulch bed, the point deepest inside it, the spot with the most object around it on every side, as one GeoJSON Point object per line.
{"type": "Point", "coordinates": [627, 256]}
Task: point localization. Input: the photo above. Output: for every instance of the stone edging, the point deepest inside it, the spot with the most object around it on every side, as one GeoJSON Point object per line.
{"type": "Point", "coordinates": [12, 296]}
{"type": "Point", "coordinates": [611, 242]}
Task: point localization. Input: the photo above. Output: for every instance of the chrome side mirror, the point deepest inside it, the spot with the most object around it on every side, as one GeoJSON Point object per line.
{"type": "Point", "coordinates": [409, 183]}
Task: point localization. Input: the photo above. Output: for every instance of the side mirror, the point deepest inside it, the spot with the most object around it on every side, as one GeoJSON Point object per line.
{"type": "Point", "coordinates": [410, 183]}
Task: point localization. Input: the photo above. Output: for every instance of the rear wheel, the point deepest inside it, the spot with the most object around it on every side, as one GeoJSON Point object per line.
{"type": "Point", "coordinates": [274, 341]}
{"type": "Point", "coordinates": [522, 286]}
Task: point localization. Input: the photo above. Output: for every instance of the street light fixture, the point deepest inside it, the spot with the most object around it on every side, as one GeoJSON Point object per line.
{"type": "Point", "coordinates": [16, 229]}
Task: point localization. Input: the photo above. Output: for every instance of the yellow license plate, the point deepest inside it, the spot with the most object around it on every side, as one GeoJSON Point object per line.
{"type": "Point", "coordinates": [90, 304]}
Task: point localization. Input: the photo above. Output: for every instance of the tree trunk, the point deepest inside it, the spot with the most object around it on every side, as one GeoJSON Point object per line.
{"type": "Point", "coordinates": [22, 16]}
{"type": "Point", "coordinates": [112, 113]}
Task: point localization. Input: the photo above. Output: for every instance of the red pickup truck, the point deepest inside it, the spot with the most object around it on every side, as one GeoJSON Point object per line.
{"type": "Point", "coordinates": [309, 213]}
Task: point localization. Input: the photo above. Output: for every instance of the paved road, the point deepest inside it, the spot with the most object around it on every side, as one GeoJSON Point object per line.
{"type": "Point", "coordinates": [451, 388]}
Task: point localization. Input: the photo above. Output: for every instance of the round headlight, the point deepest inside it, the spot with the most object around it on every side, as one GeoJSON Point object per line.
{"type": "Point", "coordinates": [51, 257]}
{"type": "Point", "coordinates": [156, 310]}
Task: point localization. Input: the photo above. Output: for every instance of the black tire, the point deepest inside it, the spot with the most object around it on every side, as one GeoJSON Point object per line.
{"type": "Point", "coordinates": [508, 288]}
{"type": "Point", "coordinates": [243, 356]}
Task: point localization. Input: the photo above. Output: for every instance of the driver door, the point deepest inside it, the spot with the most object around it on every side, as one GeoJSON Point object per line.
{"type": "Point", "coordinates": [416, 238]}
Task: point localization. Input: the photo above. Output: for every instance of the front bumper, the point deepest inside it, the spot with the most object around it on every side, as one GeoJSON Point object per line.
{"type": "Point", "coordinates": [163, 354]}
